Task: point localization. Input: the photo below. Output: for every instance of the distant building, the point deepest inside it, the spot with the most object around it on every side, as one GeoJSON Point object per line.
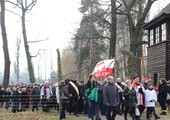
{"type": "Point", "coordinates": [53, 77]}
{"type": "Point", "coordinates": [159, 45]}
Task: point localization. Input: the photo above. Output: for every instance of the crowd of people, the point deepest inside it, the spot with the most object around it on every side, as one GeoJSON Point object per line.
{"type": "Point", "coordinates": [96, 97]}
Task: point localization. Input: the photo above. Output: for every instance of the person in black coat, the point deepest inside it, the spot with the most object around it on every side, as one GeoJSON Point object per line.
{"type": "Point", "coordinates": [7, 98]}
{"type": "Point", "coordinates": [35, 97]}
{"type": "Point", "coordinates": [82, 96]}
{"type": "Point", "coordinates": [53, 99]}
{"type": "Point", "coordinates": [73, 89]}
{"type": "Point", "coordinates": [162, 95]}
{"type": "Point", "coordinates": [24, 99]}
{"type": "Point", "coordinates": [15, 100]}
{"type": "Point", "coordinates": [130, 100]}
{"type": "Point", "coordinates": [2, 93]}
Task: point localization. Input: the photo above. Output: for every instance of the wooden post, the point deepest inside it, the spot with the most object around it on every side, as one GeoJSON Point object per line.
{"type": "Point", "coordinates": [59, 73]}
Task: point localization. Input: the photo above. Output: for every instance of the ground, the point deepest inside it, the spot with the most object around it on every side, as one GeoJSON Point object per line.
{"type": "Point", "coordinates": [54, 115]}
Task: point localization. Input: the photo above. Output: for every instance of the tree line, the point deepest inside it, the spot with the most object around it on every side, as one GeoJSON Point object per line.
{"type": "Point", "coordinates": [108, 29]}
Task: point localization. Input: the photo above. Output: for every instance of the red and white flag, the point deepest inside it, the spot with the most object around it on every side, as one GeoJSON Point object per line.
{"type": "Point", "coordinates": [103, 68]}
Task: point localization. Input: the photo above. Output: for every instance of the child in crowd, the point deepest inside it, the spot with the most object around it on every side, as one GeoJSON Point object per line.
{"type": "Point", "coordinates": [150, 100]}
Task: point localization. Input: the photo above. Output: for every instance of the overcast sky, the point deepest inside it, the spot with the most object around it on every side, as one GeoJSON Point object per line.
{"type": "Point", "coordinates": [56, 19]}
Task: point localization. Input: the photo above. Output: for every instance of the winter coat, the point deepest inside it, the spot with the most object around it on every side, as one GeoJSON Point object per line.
{"type": "Point", "coordinates": [72, 90]}
{"type": "Point", "coordinates": [64, 95]}
{"type": "Point", "coordinates": [91, 91]}
{"type": "Point", "coordinates": [162, 92]}
{"type": "Point", "coordinates": [110, 95]}
{"type": "Point", "coordinates": [35, 94]}
{"type": "Point", "coordinates": [140, 90]}
{"type": "Point", "coordinates": [7, 96]}
{"type": "Point", "coordinates": [2, 92]}
{"type": "Point", "coordinates": [46, 92]}
{"type": "Point", "coordinates": [15, 96]}
{"type": "Point", "coordinates": [24, 97]}
{"type": "Point", "coordinates": [150, 98]}
{"type": "Point", "coordinates": [130, 98]}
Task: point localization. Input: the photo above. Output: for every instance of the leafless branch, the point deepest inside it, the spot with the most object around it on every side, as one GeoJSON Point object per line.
{"type": "Point", "coordinates": [11, 2]}
{"type": "Point", "coordinates": [38, 40]}
{"type": "Point", "coordinates": [101, 37]}
{"type": "Point", "coordinates": [38, 53]}
{"type": "Point", "coordinates": [13, 12]}
{"type": "Point", "coordinates": [119, 5]}
{"type": "Point", "coordinates": [31, 5]}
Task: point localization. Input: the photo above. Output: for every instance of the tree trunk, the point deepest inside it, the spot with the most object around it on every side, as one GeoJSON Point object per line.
{"type": "Point", "coordinates": [113, 30]}
{"type": "Point", "coordinates": [5, 47]}
{"type": "Point", "coordinates": [29, 63]}
{"type": "Point", "coordinates": [80, 60]}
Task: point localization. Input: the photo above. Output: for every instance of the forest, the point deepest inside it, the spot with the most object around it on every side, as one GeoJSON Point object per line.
{"type": "Point", "coordinates": [108, 29]}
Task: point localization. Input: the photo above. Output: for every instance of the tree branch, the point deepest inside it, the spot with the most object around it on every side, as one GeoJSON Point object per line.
{"type": "Point", "coordinates": [138, 43]}
{"type": "Point", "coordinates": [128, 53]}
{"type": "Point", "coordinates": [13, 12]}
{"type": "Point", "coordinates": [31, 5]}
{"type": "Point", "coordinates": [11, 2]}
{"type": "Point", "coordinates": [37, 53]}
{"type": "Point", "coordinates": [38, 40]}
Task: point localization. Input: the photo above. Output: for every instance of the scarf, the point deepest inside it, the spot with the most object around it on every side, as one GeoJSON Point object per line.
{"type": "Point", "coordinates": [45, 92]}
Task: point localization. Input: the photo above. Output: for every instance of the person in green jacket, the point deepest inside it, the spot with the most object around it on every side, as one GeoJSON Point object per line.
{"type": "Point", "coordinates": [92, 97]}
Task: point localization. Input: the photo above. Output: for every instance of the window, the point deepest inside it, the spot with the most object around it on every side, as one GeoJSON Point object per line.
{"type": "Point", "coordinates": [163, 31]}
{"type": "Point", "coordinates": [151, 37]}
{"type": "Point", "coordinates": [157, 35]}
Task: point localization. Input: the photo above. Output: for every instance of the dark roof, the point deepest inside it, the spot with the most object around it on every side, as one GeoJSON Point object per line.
{"type": "Point", "coordinates": [165, 13]}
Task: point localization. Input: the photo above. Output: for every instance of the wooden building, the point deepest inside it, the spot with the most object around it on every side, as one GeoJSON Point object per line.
{"type": "Point", "coordinates": [158, 57]}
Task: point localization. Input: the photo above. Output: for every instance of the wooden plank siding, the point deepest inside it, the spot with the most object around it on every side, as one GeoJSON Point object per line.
{"type": "Point", "coordinates": [157, 60]}
{"type": "Point", "coordinates": [158, 55]}
{"type": "Point", "coordinates": [168, 60]}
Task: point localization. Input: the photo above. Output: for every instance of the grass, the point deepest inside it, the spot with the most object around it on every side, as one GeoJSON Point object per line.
{"type": "Point", "coordinates": [29, 115]}
{"type": "Point", "coordinates": [54, 115]}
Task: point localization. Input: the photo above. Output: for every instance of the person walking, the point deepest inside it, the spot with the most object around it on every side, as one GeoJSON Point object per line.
{"type": "Point", "coordinates": [92, 97]}
{"type": "Point", "coordinates": [140, 90]}
{"type": "Point", "coordinates": [7, 97]}
{"type": "Point", "coordinates": [130, 100]}
{"type": "Point", "coordinates": [64, 96]}
{"type": "Point", "coordinates": [162, 95]}
{"type": "Point", "coordinates": [35, 97]}
{"type": "Point", "coordinates": [150, 101]}
{"type": "Point", "coordinates": [24, 99]}
{"type": "Point", "coordinates": [121, 101]}
{"type": "Point", "coordinates": [45, 94]}
{"type": "Point", "coordinates": [73, 89]}
{"type": "Point", "coordinates": [111, 98]}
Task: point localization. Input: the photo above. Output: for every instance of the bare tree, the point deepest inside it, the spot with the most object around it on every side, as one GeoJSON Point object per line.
{"type": "Point", "coordinates": [25, 6]}
{"type": "Point", "coordinates": [5, 46]}
{"type": "Point", "coordinates": [136, 12]}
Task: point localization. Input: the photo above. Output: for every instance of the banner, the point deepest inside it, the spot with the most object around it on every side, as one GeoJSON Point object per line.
{"type": "Point", "coordinates": [103, 68]}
